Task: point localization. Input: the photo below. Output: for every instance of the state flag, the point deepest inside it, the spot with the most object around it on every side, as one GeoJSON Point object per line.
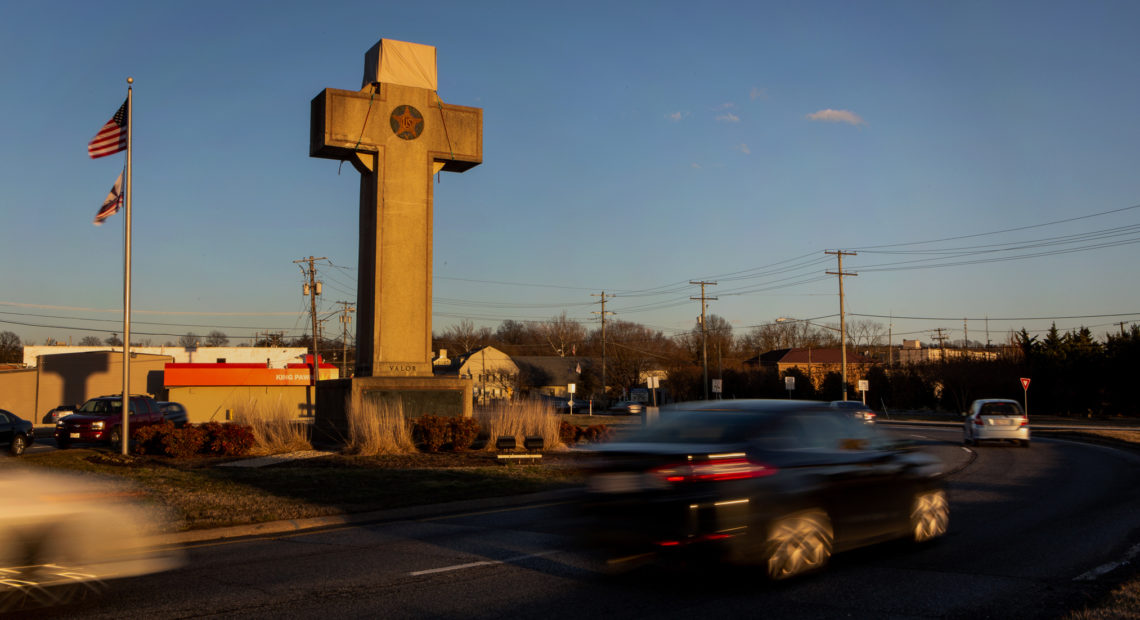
{"type": "Point", "coordinates": [112, 203]}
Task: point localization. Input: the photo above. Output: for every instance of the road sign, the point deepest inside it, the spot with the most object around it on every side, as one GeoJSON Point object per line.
{"type": "Point", "coordinates": [571, 387]}
{"type": "Point", "coordinates": [864, 385]}
{"type": "Point", "coordinates": [1025, 383]}
{"type": "Point", "coordinates": [789, 383]}
{"type": "Point", "coordinates": [716, 386]}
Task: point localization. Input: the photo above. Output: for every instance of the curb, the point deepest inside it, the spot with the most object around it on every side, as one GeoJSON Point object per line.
{"type": "Point", "coordinates": [407, 513]}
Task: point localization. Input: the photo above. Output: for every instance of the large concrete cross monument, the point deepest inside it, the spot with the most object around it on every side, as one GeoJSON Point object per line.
{"type": "Point", "coordinates": [397, 134]}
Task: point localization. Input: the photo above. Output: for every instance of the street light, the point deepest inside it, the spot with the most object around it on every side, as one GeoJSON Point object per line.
{"type": "Point", "coordinates": [842, 343]}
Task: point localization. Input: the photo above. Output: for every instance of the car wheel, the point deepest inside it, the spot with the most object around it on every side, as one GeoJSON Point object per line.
{"type": "Point", "coordinates": [966, 439]}
{"type": "Point", "coordinates": [62, 444]}
{"type": "Point", "coordinates": [116, 437]}
{"type": "Point", "coordinates": [18, 445]}
{"type": "Point", "coordinates": [929, 515]}
{"type": "Point", "coordinates": [798, 543]}
{"type": "Point", "coordinates": [1024, 443]}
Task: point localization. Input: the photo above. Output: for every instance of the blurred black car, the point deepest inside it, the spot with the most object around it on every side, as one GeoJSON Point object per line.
{"type": "Point", "coordinates": [781, 484]}
{"type": "Point", "coordinates": [173, 412]}
{"type": "Point", "coordinates": [15, 432]}
{"type": "Point", "coordinates": [855, 408]}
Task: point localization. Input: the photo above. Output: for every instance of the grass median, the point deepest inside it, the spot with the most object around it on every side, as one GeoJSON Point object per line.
{"type": "Point", "coordinates": [202, 493]}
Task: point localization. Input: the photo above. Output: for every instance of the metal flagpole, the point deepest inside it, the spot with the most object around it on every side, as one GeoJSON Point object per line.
{"type": "Point", "coordinates": [125, 434]}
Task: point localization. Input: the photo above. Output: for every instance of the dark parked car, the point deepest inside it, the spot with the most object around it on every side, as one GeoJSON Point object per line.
{"type": "Point", "coordinates": [54, 415]}
{"type": "Point", "coordinates": [15, 432]}
{"type": "Point", "coordinates": [100, 420]}
{"type": "Point", "coordinates": [781, 484]}
{"type": "Point", "coordinates": [855, 408]}
{"type": "Point", "coordinates": [173, 412]}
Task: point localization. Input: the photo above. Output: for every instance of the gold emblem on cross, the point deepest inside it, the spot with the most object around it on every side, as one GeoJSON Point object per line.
{"type": "Point", "coordinates": [406, 122]}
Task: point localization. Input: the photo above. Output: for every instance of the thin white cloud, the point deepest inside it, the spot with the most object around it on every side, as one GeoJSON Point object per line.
{"type": "Point", "coordinates": [743, 148]}
{"type": "Point", "coordinates": [837, 116]}
{"type": "Point", "coordinates": [676, 116]}
{"type": "Point", "coordinates": [725, 106]}
{"type": "Point", "coordinates": [758, 93]}
{"type": "Point", "coordinates": [728, 117]}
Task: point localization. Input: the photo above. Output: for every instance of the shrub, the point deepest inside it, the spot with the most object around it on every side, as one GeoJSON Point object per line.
{"type": "Point", "coordinates": [464, 431]}
{"type": "Point", "coordinates": [227, 439]}
{"type": "Point", "coordinates": [568, 433]}
{"type": "Point", "coordinates": [184, 442]}
{"type": "Point", "coordinates": [432, 432]}
{"type": "Point", "coordinates": [597, 432]}
{"type": "Point", "coordinates": [149, 439]}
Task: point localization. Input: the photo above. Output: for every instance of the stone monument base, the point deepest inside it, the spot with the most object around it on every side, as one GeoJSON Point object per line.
{"type": "Point", "coordinates": [418, 396]}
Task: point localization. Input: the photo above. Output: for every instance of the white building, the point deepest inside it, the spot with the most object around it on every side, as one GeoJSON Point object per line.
{"type": "Point", "coordinates": [272, 357]}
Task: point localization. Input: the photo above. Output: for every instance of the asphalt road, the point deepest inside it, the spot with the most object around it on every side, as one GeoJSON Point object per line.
{"type": "Point", "coordinates": [1026, 525]}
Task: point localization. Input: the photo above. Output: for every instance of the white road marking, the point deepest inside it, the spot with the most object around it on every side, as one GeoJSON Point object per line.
{"type": "Point", "coordinates": [455, 567]}
{"type": "Point", "coordinates": [967, 449]}
{"type": "Point", "coordinates": [1109, 567]}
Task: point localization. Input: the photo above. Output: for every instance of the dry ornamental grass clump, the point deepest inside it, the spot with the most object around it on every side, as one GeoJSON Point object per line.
{"type": "Point", "coordinates": [377, 428]}
{"type": "Point", "coordinates": [276, 430]}
{"type": "Point", "coordinates": [521, 420]}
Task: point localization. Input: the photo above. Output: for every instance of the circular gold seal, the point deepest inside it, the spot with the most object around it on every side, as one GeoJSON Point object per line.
{"type": "Point", "coordinates": [406, 122]}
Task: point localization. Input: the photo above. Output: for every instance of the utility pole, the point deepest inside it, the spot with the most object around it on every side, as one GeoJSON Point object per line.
{"type": "Point", "coordinates": [966, 339]}
{"type": "Point", "coordinates": [839, 254]}
{"type": "Point", "coordinates": [603, 314]}
{"type": "Point", "coordinates": [345, 308]}
{"type": "Point", "coordinates": [312, 288]}
{"type": "Point", "coordinates": [890, 342]}
{"type": "Point", "coordinates": [704, 331]}
{"type": "Point", "coordinates": [941, 343]}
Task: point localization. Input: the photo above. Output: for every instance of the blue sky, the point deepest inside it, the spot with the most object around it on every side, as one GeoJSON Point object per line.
{"type": "Point", "coordinates": [629, 147]}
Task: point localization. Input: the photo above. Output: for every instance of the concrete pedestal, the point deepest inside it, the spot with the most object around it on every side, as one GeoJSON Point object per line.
{"type": "Point", "coordinates": [420, 396]}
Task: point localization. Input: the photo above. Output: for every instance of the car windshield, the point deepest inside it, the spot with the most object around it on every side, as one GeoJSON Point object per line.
{"type": "Point", "coordinates": [1001, 409]}
{"type": "Point", "coordinates": [102, 407]}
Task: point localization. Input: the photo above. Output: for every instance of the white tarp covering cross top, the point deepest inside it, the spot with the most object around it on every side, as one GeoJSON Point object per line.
{"type": "Point", "coordinates": [400, 62]}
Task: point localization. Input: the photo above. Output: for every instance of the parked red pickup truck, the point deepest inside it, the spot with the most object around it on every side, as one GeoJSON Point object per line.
{"type": "Point", "coordinates": [100, 420]}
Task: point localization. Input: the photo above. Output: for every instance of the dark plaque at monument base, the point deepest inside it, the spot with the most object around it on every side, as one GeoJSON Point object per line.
{"type": "Point", "coordinates": [415, 396]}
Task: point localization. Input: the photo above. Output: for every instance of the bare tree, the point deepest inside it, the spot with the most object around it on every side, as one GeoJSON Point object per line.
{"type": "Point", "coordinates": [217, 339]}
{"type": "Point", "coordinates": [90, 341]}
{"type": "Point", "coordinates": [463, 337]}
{"type": "Point", "coordinates": [718, 333]}
{"type": "Point", "coordinates": [562, 334]}
{"type": "Point", "coordinates": [189, 340]}
{"type": "Point", "coordinates": [11, 350]}
{"type": "Point", "coordinates": [865, 333]}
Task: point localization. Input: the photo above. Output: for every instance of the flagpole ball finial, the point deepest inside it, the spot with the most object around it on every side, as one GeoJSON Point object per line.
{"type": "Point", "coordinates": [130, 80]}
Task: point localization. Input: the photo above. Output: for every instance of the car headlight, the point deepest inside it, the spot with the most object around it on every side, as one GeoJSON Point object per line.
{"type": "Point", "coordinates": [96, 426]}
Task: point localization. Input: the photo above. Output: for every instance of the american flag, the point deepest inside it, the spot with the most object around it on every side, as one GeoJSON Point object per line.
{"type": "Point", "coordinates": [112, 138]}
{"type": "Point", "coordinates": [112, 203]}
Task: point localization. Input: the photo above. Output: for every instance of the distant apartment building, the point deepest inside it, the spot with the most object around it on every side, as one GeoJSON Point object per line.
{"type": "Point", "coordinates": [913, 352]}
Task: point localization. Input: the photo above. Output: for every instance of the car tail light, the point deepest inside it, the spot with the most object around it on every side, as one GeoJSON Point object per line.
{"type": "Point", "coordinates": [1025, 420]}
{"type": "Point", "coordinates": [979, 421]}
{"type": "Point", "coordinates": [713, 470]}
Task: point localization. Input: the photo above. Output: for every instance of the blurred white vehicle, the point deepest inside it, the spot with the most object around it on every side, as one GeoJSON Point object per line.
{"type": "Point", "coordinates": [62, 536]}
